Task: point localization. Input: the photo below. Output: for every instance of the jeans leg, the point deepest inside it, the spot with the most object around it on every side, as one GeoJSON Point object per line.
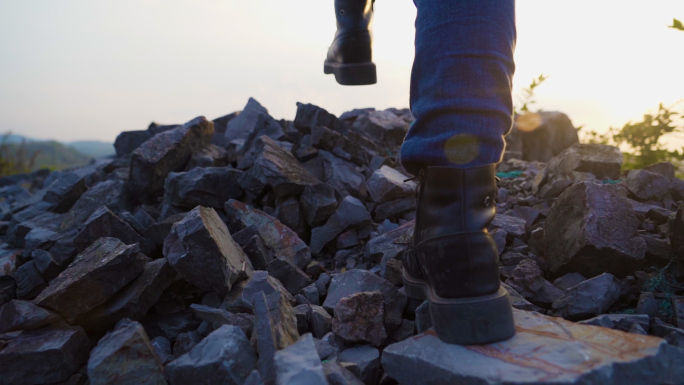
{"type": "Point", "coordinates": [460, 83]}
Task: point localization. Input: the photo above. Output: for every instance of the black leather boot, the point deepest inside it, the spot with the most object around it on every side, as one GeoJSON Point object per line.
{"type": "Point", "coordinates": [350, 56]}
{"type": "Point", "coordinates": [452, 261]}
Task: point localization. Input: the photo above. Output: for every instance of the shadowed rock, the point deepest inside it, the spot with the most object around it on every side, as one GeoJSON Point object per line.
{"type": "Point", "coordinates": [209, 187]}
{"type": "Point", "coordinates": [201, 249]}
{"type": "Point", "coordinates": [601, 160]}
{"type": "Point", "coordinates": [589, 298]}
{"type": "Point", "coordinates": [351, 213]}
{"type": "Point", "coordinates": [646, 185]}
{"type": "Point", "coordinates": [104, 223]}
{"type": "Point", "coordinates": [220, 317]}
{"type": "Point", "coordinates": [240, 298]}
{"type": "Point", "coordinates": [23, 315]}
{"type": "Point", "coordinates": [387, 183]}
{"type": "Point", "coordinates": [359, 318]}
{"type": "Point", "coordinates": [299, 364]}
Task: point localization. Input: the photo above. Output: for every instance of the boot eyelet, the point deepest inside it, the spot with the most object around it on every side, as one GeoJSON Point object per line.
{"type": "Point", "coordinates": [487, 201]}
{"type": "Point", "coordinates": [341, 11]}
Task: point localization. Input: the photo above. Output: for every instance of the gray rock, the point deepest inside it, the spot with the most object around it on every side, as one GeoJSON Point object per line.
{"type": "Point", "coordinates": [359, 318]}
{"type": "Point", "coordinates": [665, 169]}
{"type": "Point", "coordinates": [22, 315]}
{"type": "Point", "coordinates": [320, 321]}
{"type": "Point", "coordinates": [127, 141]}
{"type": "Point", "coordinates": [337, 374]}
{"type": "Point", "coordinates": [219, 317]}
{"type": "Point", "coordinates": [676, 231]}
{"type": "Point", "coordinates": [275, 327]}
{"type": "Point", "coordinates": [541, 135]}
{"type": "Point", "coordinates": [514, 226]}
{"type": "Point", "coordinates": [568, 280]}
{"type": "Point", "coordinates": [275, 168]}
{"type": "Point", "coordinates": [280, 239]}
{"type": "Point", "coordinates": [258, 253]}
{"type": "Point", "coordinates": [351, 213]}
{"type": "Point", "coordinates": [394, 209]}
{"type": "Point", "coordinates": [383, 126]}
{"type": "Point", "coordinates": [387, 183]}
{"type": "Point", "coordinates": [309, 116]}
{"type": "Point", "coordinates": [544, 350]}
{"type": "Point", "coordinates": [164, 153]}
{"type": "Point", "coordinates": [211, 156]}
{"type": "Point", "coordinates": [406, 330]}
{"type": "Point", "coordinates": [318, 203]}
{"type": "Point", "coordinates": [48, 266]}
{"type": "Point", "coordinates": [158, 231]}
{"type": "Point", "coordinates": [342, 176]}
{"type": "Point", "coordinates": [592, 229]}
{"type": "Point", "coordinates": [388, 245]}
{"type": "Point", "coordinates": [678, 309]}
{"type": "Point", "coordinates": [109, 193]}
{"type": "Point", "coordinates": [171, 325]}
{"type": "Point", "coordinates": [238, 128]}
{"type": "Point", "coordinates": [355, 281]}
{"type": "Point", "coordinates": [201, 249]}
{"type": "Point", "coordinates": [29, 282]}
{"type": "Point", "coordinates": [589, 298]}
{"type": "Point", "coordinates": [646, 185]}
{"type": "Point", "coordinates": [65, 191]}
{"type": "Point", "coordinates": [223, 357]}
{"type": "Point", "coordinates": [622, 322]}
{"type": "Point", "coordinates": [209, 187]}
{"type": "Point", "coordinates": [185, 342]}
{"type": "Point", "coordinates": [367, 358]}
{"type": "Point", "coordinates": [240, 298]}
{"type": "Point", "coordinates": [43, 356]}
{"type": "Point", "coordinates": [8, 289]}
{"type": "Point", "coordinates": [517, 301]}
{"type": "Point", "coordinates": [603, 161]}
{"type": "Point", "coordinates": [527, 279]}
{"type": "Point", "coordinates": [162, 346]}
{"type": "Point", "coordinates": [290, 213]}
{"type": "Point", "coordinates": [299, 364]}
{"type": "Point", "coordinates": [351, 146]}
{"type": "Point", "coordinates": [34, 217]}
{"type": "Point", "coordinates": [265, 126]}
{"type": "Point", "coordinates": [125, 356]}
{"type": "Point", "coordinates": [254, 378]}
{"type": "Point", "coordinates": [104, 223]}
{"type": "Point", "coordinates": [292, 278]}
{"type": "Point", "coordinates": [96, 275]}
{"type": "Point", "coordinates": [647, 305]}
{"type": "Point", "coordinates": [134, 300]}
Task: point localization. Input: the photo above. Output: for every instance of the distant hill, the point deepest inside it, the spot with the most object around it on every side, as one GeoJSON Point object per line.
{"type": "Point", "coordinates": [55, 155]}
{"type": "Point", "coordinates": [93, 148]}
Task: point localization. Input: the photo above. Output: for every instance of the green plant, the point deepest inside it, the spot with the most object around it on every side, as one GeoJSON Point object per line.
{"type": "Point", "coordinates": [527, 98]}
{"type": "Point", "coordinates": [676, 24]}
{"type": "Point", "coordinates": [14, 158]}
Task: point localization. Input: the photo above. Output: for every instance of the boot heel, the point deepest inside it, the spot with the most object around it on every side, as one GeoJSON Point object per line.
{"type": "Point", "coordinates": [473, 321]}
{"type": "Point", "coordinates": [352, 74]}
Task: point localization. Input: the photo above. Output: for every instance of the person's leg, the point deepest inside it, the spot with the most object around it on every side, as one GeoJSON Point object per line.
{"type": "Point", "coordinates": [460, 83]}
{"type": "Point", "coordinates": [461, 98]}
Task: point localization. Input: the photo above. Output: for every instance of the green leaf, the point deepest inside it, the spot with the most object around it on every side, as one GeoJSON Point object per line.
{"type": "Point", "coordinates": [676, 24]}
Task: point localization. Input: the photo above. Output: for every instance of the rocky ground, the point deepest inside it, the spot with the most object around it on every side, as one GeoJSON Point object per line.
{"type": "Point", "coordinates": [249, 250]}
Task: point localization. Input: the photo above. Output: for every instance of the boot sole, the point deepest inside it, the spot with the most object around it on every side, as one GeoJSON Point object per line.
{"type": "Point", "coordinates": [357, 74]}
{"type": "Point", "coordinates": [465, 321]}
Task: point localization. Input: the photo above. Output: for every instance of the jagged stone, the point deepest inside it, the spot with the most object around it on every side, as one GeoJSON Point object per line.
{"type": "Point", "coordinates": [211, 156]}
{"type": "Point", "coordinates": [355, 281]}
{"type": "Point", "coordinates": [646, 185]}
{"type": "Point", "coordinates": [665, 169]}
{"type": "Point", "coordinates": [517, 301]}
{"type": "Point", "coordinates": [257, 252]}
{"type": "Point", "coordinates": [65, 191]}
{"type": "Point", "coordinates": [22, 315]}
{"type": "Point", "coordinates": [568, 280]}
{"type": "Point", "coordinates": [29, 282]}
{"type": "Point", "coordinates": [535, 356]}
{"type": "Point", "coordinates": [201, 249]}
{"type": "Point", "coordinates": [514, 226]}
{"type": "Point", "coordinates": [164, 153]}
{"type": "Point", "coordinates": [254, 378]}
{"type": "Point", "coordinates": [238, 128]}
{"type": "Point", "coordinates": [22, 223]}
{"type": "Point", "coordinates": [337, 374]}
{"type": "Point", "coordinates": [223, 357]}
{"type": "Point", "coordinates": [134, 300]}
{"type": "Point", "coordinates": [104, 223]}
{"type": "Point", "coordinates": [529, 214]}
{"type": "Point", "coordinates": [127, 141]}
{"type": "Point", "coordinates": [541, 135]}
{"type": "Point", "coordinates": [273, 330]}
{"type": "Point", "coordinates": [125, 356]}
{"type": "Point", "coordinates": [170, 325]}
{"type": "Point", "coordinates": [359, 318]}
{"type": "Point", "coordinates": [383, 126]}
{"type": "Point", "coordinates": [280, 239]}
{"type": "Point", "coordinates": [589, 298]}
{"type": "Point", "coordinates": [299, 364]}
{"type": "Point", "coordinates": [96, 274]}
{"type": "Point", "coordinates": [185, 342]}
{"type": "Point", "coordinates": [219, 317]}
{"type": "Point", "coordinates": [622, 322]}
{"type": "Point", "coordinates": [292, 278]}
{"type": "Point", "coordinates": [265, 126]}
{"type": "Point", "coordinates": [277, 169]}
{"type": "Point", "coordinates": [318, 203]}
{"type": "Point", "coordinates": [678, 309]}
{"type": "Point", "coordinates": [366, 358]}
{"type": "Point", "coordinates": [8, 289]}
{"type": "Point", "coordinates": [388, 245]}
{"type": "Point", "coordinates": [240, 299]}
{"type": "Point", "coordinates": [676, 231]}
{"type": "Point", "coordinates": [320, 321]}
{"type": "Point", "coordinates": [342, 176]}
{"type": "Point", "coordinates": [527, 279]}
{"type": "Point", "coordinates": [351, 213]}
{"type": "Point", "coordinates": [387, 183]}
{"type": "Point", "coordinates": [658, 250]}
{"type": "Point", "coordinates": [394, 209]}
{"type": "Point", "coordinates": [43, 356]}
{"type": "Point", "coordinates": [647, 304]}
{"type": "Point", "coordinates": [209, 187]}
{"type": "Point", "coordinates": [309, 116]}
{"type": "Point", "coordinates": [592, 229]}
{"type": "Point", "coordinates": [158, 231]}
{"type": "Point", "coordinates": [290, 213]}
{"type": "Point", "coordinates": [109, 193]}
{"type": "Point", "coordinates": [603, 161]}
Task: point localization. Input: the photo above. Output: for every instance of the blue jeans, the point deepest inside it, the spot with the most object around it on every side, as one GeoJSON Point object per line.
{"type": "Point", "coordinates": [460, 83]}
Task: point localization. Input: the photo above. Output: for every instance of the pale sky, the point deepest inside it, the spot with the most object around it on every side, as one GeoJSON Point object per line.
{"type": "Point", "coordinates": [89, 69]}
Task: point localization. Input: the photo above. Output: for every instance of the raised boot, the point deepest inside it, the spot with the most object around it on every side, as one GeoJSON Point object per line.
{"type": "Point", "coordinates": [452, 261]}
{"type": "Point", "coordinates": [350, 56]}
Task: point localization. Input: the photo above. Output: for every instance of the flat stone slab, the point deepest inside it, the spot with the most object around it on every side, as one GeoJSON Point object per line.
{"type": "Point", "coordinates": [545, 350]}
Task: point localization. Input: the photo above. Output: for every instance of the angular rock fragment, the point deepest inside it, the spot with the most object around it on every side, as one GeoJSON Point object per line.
{"type": "Point", "coordinates": [292, 278]}
{"type": "Point", "coordinates": [65, 191]}
{"type": "Point", "coordinates": [185, 342]}
{"type": "Point", "coordinates": [211, 156]}
{"type": "Point", "coordinates": [164, 153]}
{"type": "Point", "coordinates": [134, 300]}
{"type": "Point", "coordinates": [201, 249]}
{"type": "Point", "coordinates": [544, 350]}
{"type": "Point", "coordinates": [359, 318]}
{"type": "Point", "coordinates": [275, 168]}
{"type": "Point", "coordinates": [383, 126]}
{"type": "Point", "coordinates": [589, 298]}
{"type": "Point", "coordinates": [43, 356]}
{"type": "Point", "coordinates": [390, 244]}
{"type": "Point", "coordinates": [239, 300]}
{"type": "Point", "coordinates": [29, 282]}
{"type": "Point", "coordinates": [96, 275]}
{"type": "Point", "coordinates": [223, 357]}
{"type": "Point", "coordinates": [265, 126]}
{"type": "Point", "coordinates": [343, 176]}
{"type": "Point", "coordinates": [603, 161]}
{"type": "Point", "coordinates": [351, 213]}
{"type": "Point", "coordinates": [541, 135]}
{"type": "Point", "coordinates": [568, 280]}
{"type": "Point", "coordinates": [514, 226]}
{"type": "Point", "coordinates": [238, 129]}
{"type": "Point", "coordinates": [646, 185]}
{"type": "Point", "coordinates": [220, 317]}
{"type": "Point", "coordinates": [387, 183]}
{"type": "Point", "coordinates": [309, 116]}
{"type": "Point", "coordinates": [104, 223]}
{"type": "Point", "coordinates": [170, 325]}
{"type": "Point", "coordinates": [622, 322]}
{"type": "Point", "coordinates": [47, 266]}
{"type": "Point", "coordinates": [318, 203]}
{"type": "Point", "coordinates": [109, 193]}
{"type": "Point", "coordinates": [277, 237]}
{"type": "Point", "coordinates": [125, 356]}
{"type": "Point", "coordinates": [320, 320]}
{"type": "Point", "coordinates": [162, 346]}
{"type": "Point", "coordinates": [290, 213]}
{"type": "Point", "coordinates": [299, 364]}
{"type": "Point", "coordinates": [517, 301]}
{"type": "Point", "coordinates": [22, 315]}
{"type": "Point", "coordinates": [337, 374]}
{"type": "Point", "coordinates": [158, 232]}
{"type": "Point", "coordinates": [355, 281]}
{"type": "Point", "coordinates": [527, 279]}
{"type": "Point", "coordinates": [366, 358]}
{"type": "Point", "coordinates": [209, 187]}
{"type": "Point", "coordinates": [592, 229]}
{"type": "Point", "coordinates": [394, 209]}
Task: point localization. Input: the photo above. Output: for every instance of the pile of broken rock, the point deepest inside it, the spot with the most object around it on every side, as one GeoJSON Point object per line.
{"type": "Point", "coordinates": [249, 250]}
